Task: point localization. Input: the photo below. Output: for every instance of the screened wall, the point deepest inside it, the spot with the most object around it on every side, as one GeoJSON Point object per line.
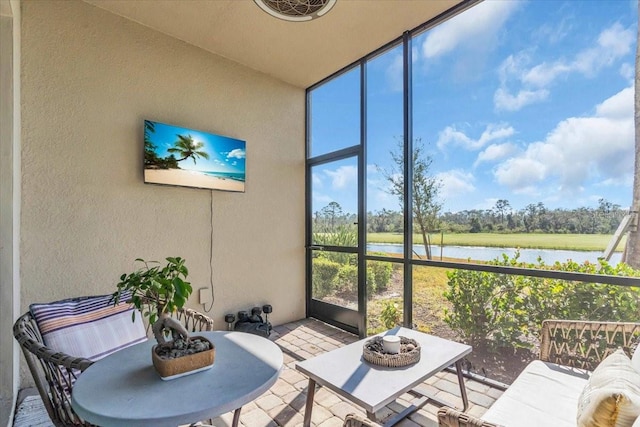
{"type": "Point", "coordinates": [513, 124]}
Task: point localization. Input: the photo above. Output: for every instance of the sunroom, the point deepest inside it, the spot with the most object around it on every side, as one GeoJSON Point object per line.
{"type": "Point", "coordinates": [518, 120]}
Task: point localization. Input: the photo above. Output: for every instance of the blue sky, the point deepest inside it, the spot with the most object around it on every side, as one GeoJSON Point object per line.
{"type": "Point", "coordinates": [225, 154]}
{"type": "Point", "coordinates": [529, 101]}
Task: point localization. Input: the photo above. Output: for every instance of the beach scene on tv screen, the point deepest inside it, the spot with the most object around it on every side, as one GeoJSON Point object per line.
{"type": "Point", "coordinates": [175, 155]}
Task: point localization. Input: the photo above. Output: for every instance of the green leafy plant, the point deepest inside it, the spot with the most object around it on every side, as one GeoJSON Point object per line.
{"type": "Point", "coordinates": [499, 310]}
{"type": "Point", "coordinates": [390, 315]}
{"type": "Point", "coordinates": [341, 235]}
{"type": "Point", "coordinates": [347, 278]}
{"type": "Point", "coordinates": [485, 307]}
{"type": "Point", "coordinates": [157, 291]}
{"type": "Point", "coordinates": [324, 274]}
{"type": "Point", "coordinates": [382, 273]}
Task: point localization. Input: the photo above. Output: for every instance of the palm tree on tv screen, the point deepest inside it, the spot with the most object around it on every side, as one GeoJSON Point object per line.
{"type": "Point", "coordinates": [150, 156]}
{"type": "Point", "coordinates": [186, 147]}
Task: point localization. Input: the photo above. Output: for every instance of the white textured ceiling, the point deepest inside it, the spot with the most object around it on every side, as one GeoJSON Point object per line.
{"type": "Point", "coordinates": [300, 53]}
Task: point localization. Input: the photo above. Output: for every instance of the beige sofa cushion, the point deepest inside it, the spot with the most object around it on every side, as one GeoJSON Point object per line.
{"type": "Point", "coordinates": [612, 396]}
{"type": "Point", "coordinates": [635, 360]}
{"type": "Point", "coordinates": [544, 394]}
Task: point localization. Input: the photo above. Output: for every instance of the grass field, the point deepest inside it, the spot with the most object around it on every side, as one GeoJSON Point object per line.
{"type": "Point", "coordinates": [576, 242]}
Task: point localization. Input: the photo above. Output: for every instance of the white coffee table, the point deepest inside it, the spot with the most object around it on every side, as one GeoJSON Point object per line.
{"type": "Point", "coordinates": [123, 389]}
{"type": "Point", "coordinates": [372, 387]}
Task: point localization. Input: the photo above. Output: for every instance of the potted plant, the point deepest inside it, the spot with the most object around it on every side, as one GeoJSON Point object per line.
{"type": "Point", "coordinates": [158, 291]}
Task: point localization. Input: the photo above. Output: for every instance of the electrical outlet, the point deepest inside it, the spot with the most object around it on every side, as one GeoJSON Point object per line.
{"type": "Point", "coordinates": [205, 296]}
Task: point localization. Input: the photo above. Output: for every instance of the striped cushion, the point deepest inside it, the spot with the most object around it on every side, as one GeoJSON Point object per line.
{"type": "Point", "coordinates": [89, 327]}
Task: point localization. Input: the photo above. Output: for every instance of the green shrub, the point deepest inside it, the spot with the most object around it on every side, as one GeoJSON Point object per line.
{"type": "Point", "coordinates": [496, 310]}
{"type": "Point", "coordinates": [372, 282]}
{"type": "Point", "coordinates": [343, 236]}
{"type": "Point", "coordinates": [488, 309]}
{"type": "Point", "coordinates": [390, 315]}
{"type": "Point", "coordinates": [591, 301]}
{"type": "Point", "coordinates": [347, 278]}
{"type": "Point", "coordinates": [381, 272]}
{"type": "Point", "coordinates": [324, 275]}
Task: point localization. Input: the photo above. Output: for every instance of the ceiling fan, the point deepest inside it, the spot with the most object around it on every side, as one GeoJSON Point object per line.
{"type": "Point", "coordinates": [296, 10]}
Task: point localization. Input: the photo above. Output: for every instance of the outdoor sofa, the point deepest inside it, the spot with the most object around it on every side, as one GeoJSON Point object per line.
{"type": "Point", "coordinates": [563, 388]}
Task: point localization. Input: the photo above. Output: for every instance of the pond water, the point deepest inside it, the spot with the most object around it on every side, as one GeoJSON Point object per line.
{"type": "Point", "coordinates": [480, 253]}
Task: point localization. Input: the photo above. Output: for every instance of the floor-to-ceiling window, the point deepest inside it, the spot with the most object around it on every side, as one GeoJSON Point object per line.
{"type": "Point", "coordinates": [513, 124]}
{"type": "Point", "coordinates": [334, 149]}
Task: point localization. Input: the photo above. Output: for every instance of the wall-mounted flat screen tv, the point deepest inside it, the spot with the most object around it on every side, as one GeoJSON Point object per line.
{"type": "Point", "coordinates": [174, 155]}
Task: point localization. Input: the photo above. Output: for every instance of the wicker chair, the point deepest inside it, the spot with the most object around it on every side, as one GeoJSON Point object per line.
{"type": "Point", "coordinates": [55, 373]}
{"type": "Point", "coordinates": [573, 343]}
{"type": "Point", "coordinates": [353, 420]}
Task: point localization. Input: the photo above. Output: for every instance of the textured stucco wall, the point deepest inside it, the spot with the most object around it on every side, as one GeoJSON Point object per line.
{"type": "Point", "coordinates": [9, 286]}
{"type": "Point", "coordinates": [89, 78]}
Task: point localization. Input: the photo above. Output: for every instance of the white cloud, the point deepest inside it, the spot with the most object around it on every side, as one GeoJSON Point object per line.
{"type": "Point", "coordinates": [343, 176]}
{"type": "Point", "coordinates": [612, 44]}
{"type": "Point", "coordinates": [597, 148]}
{"type": "Point", "coordinates": [519, 173]}
{"type": "Point", "coordinates": [627, 71]}
{"type": "Point", "coordinates": [554, 34]}
{"type": "Point", "coordinates": [373, 169]}
{"type": "Point", "coordinates": [617, 107]}
{"type": "Point", "coordinates": [316, 180]}
{"type": "Point", "coordinates": [380, 196]}
{"type": "Point", "coordinates": [495, 152]}
{"type": "Point", "coordinates": [237, 153]}
{"type": "Point", "coordinates": [505, 101]}
{"type": "Point", "coordinates": [544, 74]}
{"type": "Point", "coordinates": [623, 181]}
{"type": "Point", "coordinates": [394, 73]}
{"type": "Point", "coordinates": [378, 190]}
{"type": "Point", "coordinates": [455, 183]}
{"type": "Point", "coordinates": [321, 200]}
{"type": "Point", "coordinates": [451, 136]}
{"type": "Point", "coordinates": [479, 25]}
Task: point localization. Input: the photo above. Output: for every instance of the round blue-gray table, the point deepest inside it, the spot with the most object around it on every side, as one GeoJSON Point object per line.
{"type": "Point", "coordinates": [123, 389]}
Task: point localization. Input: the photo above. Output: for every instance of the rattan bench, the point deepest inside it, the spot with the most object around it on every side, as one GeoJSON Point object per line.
{"type": "Point", "coordinates": [568, 347]}
{"type": "Point", "coordinates": [54, 373]}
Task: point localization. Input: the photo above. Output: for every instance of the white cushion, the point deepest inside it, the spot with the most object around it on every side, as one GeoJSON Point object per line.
{"type": "Point", "coordinates": [612, 396]}
{"type": "Point", "coordinates": [635, 360]}
{"type": "Point", "coordinates": [90, 327]}
{"type": "Point", "coordinates": [544, 394]}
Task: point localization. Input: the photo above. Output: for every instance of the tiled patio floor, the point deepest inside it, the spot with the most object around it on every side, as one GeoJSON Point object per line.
{"type": "Point", "coordinates": [283, 404]}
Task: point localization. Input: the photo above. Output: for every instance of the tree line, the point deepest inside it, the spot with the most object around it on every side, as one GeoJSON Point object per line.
{"type": "Point", "coordinates": [533, 218]}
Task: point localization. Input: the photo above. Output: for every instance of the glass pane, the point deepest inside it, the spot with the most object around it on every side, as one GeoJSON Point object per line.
{"type": "Point", "coordinates": [385, 186]}
{"type": "Point", "coordinates": [334, 203]}
{"type": "Point", "coordinates": [528, 138]}
{"type": "Point", "coordinates": [334, 118]}
{"type": "Point", "coordinates": [501, 315]}
{"type": "Point", "coordinates": [385, 293]}
{"type": "Point", "coordinates": [334, 278]}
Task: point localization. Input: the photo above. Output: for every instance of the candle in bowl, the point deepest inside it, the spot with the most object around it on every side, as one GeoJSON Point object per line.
{"type": "Point", "coordinates": [391, 344]}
